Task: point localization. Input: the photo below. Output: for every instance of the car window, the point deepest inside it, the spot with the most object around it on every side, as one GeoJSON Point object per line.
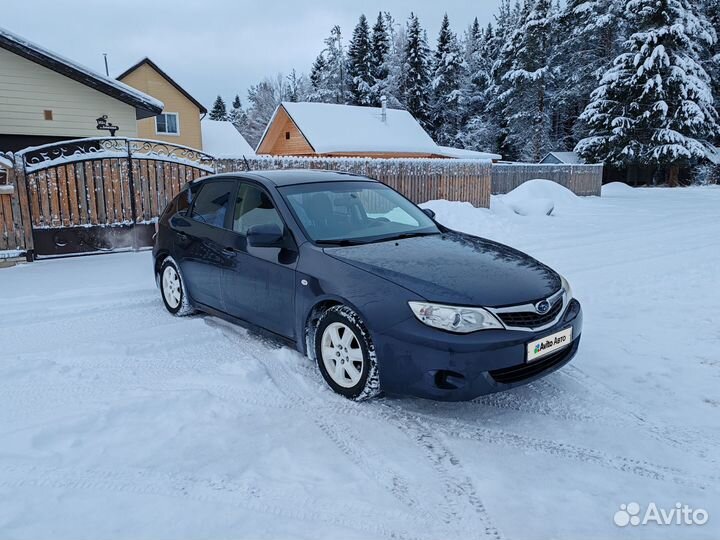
{"type": "Point", "coordinates": [213, 203]}
{"type": "Point", "coordinates": [254, 207]}
{"type": "Point", "coordinates": [355, 211]}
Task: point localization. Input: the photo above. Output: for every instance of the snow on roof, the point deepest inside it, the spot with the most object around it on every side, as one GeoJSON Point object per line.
{"type": "Point", "coordinates": [5, 162]}
{"type": "Point", "coordinates": [461, 153]}
{"type": "Point", "coordinates": [570, 158]}
{"type": "Point", "coordinates": [40, 55]}
{"type": "Point", "coordinates": [222, 139]}
{"type": "Point", "coordinates": [331, 128]}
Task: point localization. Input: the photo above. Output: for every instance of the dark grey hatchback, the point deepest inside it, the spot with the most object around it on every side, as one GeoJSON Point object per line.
{"type": "Point", "coordinates": [371, 287]}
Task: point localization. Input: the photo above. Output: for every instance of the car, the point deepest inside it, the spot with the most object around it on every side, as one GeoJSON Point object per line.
{"type": "Point", "coordinates": [382, 297]}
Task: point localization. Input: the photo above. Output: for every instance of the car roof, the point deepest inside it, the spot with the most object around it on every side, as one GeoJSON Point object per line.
{"type": "Point", "coordinates": [291, 177]}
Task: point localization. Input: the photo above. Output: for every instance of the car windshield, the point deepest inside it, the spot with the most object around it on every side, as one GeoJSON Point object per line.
{"type": "Point", "coordinates": [345, 213]}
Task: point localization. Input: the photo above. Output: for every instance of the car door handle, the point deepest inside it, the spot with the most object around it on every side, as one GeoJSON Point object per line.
{"type": "Point", "coordinates": [230, 251]}
{"type": "Point", "coordinates": [182, 236]}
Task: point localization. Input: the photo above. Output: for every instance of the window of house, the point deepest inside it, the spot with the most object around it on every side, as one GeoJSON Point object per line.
{"type": "Point", "coordinates": [167, 124]}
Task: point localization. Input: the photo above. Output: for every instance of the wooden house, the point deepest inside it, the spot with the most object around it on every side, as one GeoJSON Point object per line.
{"type": "Point", "coordinates": [179, 121]}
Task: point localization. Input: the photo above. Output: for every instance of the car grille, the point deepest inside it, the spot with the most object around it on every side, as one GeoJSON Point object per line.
{"type": "Point", "coordinates": [531, 319]}
{"type": "Point", "coordinates": [521, 372]}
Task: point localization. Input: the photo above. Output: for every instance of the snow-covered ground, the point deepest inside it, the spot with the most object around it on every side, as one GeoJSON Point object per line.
{"type": "Point", "coordinates": [119, 421]}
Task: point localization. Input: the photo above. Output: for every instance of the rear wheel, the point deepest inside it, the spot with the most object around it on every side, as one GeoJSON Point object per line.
{"type": "Point", "coordinates": [345, 354]}
{"type": "Point", "coordinates": [173, 289]}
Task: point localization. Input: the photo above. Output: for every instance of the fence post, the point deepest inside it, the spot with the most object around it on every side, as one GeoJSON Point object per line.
{"type": "Point", "coordinates": [131, 186]}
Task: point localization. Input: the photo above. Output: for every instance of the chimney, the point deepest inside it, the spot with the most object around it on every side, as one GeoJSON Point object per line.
{"type": "Point", "coordinates": [383, 104]}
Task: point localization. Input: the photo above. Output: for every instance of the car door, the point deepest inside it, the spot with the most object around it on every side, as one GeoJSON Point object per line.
{"type": "Point", "coordinates": [259, 285]}
{"type": "Point", "coordinates": [200, 238]}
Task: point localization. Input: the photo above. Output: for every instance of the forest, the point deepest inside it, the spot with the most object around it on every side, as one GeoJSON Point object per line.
{"type": "Point", "coordinates": [633, 84]}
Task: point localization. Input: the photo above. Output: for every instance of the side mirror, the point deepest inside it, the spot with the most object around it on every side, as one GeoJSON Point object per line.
{"type": "Point", "coordinates": [269, 235]}
{"type": "Point", "coordinates": [429, 213]}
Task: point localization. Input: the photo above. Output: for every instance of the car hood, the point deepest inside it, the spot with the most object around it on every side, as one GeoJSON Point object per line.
{"type": "Point", "coordinates": [455, 268]}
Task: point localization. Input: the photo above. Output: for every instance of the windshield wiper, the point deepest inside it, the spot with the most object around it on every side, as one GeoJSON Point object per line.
{"type": "Point", "coordinates": [340, 242]}
{"type": "Point", "coordinates": [402, 236]}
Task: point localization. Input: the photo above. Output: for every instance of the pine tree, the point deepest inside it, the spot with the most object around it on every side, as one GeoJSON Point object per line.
{"type": "Point", "coordinates": [297, 87]}
{"type": "Point", "coordinates": [336, 66]}
{"type": "Point", "coordinates": [414, 79]}
{"type": "Point", "coordinates": [445, 112]}
{"type": "Point", "coordinates": [359, 60]}
{"type": "Point", "coordinates": [655, 105]}
{"type": "Point", "coordinates": [318, 80]}
{"type": "Point", "coordinates": [264, 98]}
{"type": "Point", "coordinates": [526, 84]}
{"type": "Point", "coordinates": [237, 115]}
{"type": "Point", "coordinates": [379, 59]}
{"type": "Point", "coordinates": [219, 111]}
{"type": "Point", "coordinates": [712, 57]}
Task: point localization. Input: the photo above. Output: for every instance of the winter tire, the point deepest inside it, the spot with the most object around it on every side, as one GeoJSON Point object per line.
{"type": "Point", "coordinates": [345, 354]}
{"type": "Point", "coordinates": [172, 289]}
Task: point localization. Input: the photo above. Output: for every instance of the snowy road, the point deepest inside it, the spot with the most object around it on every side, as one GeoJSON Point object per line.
{"type": "Point", "coordinates": [119, 421]}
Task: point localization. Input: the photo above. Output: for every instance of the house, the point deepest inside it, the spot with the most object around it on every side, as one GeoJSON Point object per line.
{"type": "Point", "coordinates": [326, 129]}
{"type": "Point", "coordinates": [565, 158]}
{"type": "Point", "coordinates": [221, 139]}
{"type": "Point", "coordinates": [47, 98]}
{"type": "Point", "coordinates": [179, 121]}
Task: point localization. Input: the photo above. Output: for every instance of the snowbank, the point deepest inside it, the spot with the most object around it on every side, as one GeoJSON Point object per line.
{"type": "Point", "coordinates": [534, 198]}
{"type": "Point", "coordinates": [614, 189]}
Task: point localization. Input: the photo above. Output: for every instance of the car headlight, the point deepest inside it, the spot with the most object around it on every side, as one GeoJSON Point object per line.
{"type": "Point", "coordinates": [567, 288]}
{"type": "Point", "coordinates": [462, 320]}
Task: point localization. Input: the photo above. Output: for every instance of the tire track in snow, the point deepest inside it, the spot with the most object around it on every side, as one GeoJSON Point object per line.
{"type": "Point", "coordinates": [253, 497]}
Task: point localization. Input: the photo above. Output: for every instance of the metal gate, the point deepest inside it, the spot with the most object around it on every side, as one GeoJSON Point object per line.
{"type": "Point", "coordinates": [103, 194]}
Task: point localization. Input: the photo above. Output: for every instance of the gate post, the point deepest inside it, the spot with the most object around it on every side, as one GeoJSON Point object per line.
{"type": "Point", "coordinates": [21, 206]}
{"type": "Point", "coordinates": [131, 185]}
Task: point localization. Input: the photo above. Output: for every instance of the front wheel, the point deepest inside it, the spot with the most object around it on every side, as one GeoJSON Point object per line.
{"type": "Point", "coordinates": [173, 289]}
{"type": "Point", "coordinates": [346, 355]}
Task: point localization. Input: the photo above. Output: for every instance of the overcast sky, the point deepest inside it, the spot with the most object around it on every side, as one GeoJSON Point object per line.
{"type": "Point", "coordinates": [213, 46]}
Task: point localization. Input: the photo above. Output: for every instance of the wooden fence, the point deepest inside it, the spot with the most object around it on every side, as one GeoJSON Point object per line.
{"type": "Point", "coordinates": [420, 180]}
{"type": "Point", "coordinates": [92, 194]}
{"type": "Point", "coordinates": [580, 179]}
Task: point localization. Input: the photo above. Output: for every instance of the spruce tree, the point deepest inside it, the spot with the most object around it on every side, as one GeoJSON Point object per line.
{"type": "Point", "coordinates": [526, 83]}
{"type": "Point", "coordinates": [359, 60]}
{"type": "Point", "coordinates": [445, 112]}
{"type": "Point", "coordinates": [237, 115]}
{"type": "Point", "coordinates": [591, 38]}
{"type": "Point", "coordinates": [219, 111]}
{"type": "Point", "coordinates": [479, 130]}
{"type": "Point", "coordinates": [655, 105]}
{"type": "Point", "coordinates": [414, 79]}
{"type": "Point", "coordinates": [379, 59]}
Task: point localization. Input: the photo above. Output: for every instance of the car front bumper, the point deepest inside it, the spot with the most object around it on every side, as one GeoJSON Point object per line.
{"type": "Point", "coordinates": [421, 361]}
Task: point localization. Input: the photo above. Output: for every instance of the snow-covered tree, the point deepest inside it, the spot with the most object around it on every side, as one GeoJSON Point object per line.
{"type": "Point", "coordinates": [655, 105]}
{"type": "Point", "coordinates": [379, 58]}
{"type": "Point", "coordinates": [524, 86]}
{"type": "Point", "coordinates": [219, 110]}
{"type": "Point", "coordinates": [264, 98]}
{"type": "Point", "coordinates": [590, 33]}
{"type": "Point", "coordinates": [395, 62]}
{"type": "Point", "coordinates": [297, 87]}
{"type": "Point", "coordinates": [415, 80]}
{"type": "Point", "coordinates": [237, 115]}
{"type": "Point", "coordinates": [328, 75]}
{"type": "Point", "coordinates": [359, 61]}
{"type": "Point", "coordinates": [445, 114]}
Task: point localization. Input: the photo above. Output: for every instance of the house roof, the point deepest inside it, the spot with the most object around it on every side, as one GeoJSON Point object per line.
{"type": "Point", "coordinates": [147, 61]}
{"type": "Point", "coordinates": [461, 153]}
{"type": "Point", "coordinates": [223, 140]}
{"type": "Point", "coordinates": [145, 106]}
{"type": "Point", "coordinates": [331, 128]}
{"type": "Point", "coordinates": [570, 158]}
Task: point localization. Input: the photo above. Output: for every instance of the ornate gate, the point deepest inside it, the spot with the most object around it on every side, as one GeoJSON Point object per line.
{"type": "Point", "coordinates": [104, 194]}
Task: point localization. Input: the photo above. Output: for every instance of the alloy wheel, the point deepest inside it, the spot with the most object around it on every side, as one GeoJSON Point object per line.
{"type": "Point", "coordinates": [341, 354]}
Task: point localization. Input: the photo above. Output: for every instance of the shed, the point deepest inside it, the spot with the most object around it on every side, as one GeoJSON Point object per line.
{"type": "Point", "coordinates": [565, 158]}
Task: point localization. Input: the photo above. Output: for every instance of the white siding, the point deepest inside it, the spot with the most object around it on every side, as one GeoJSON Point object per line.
{"type": "Point", "coordinates": [27, 89]}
